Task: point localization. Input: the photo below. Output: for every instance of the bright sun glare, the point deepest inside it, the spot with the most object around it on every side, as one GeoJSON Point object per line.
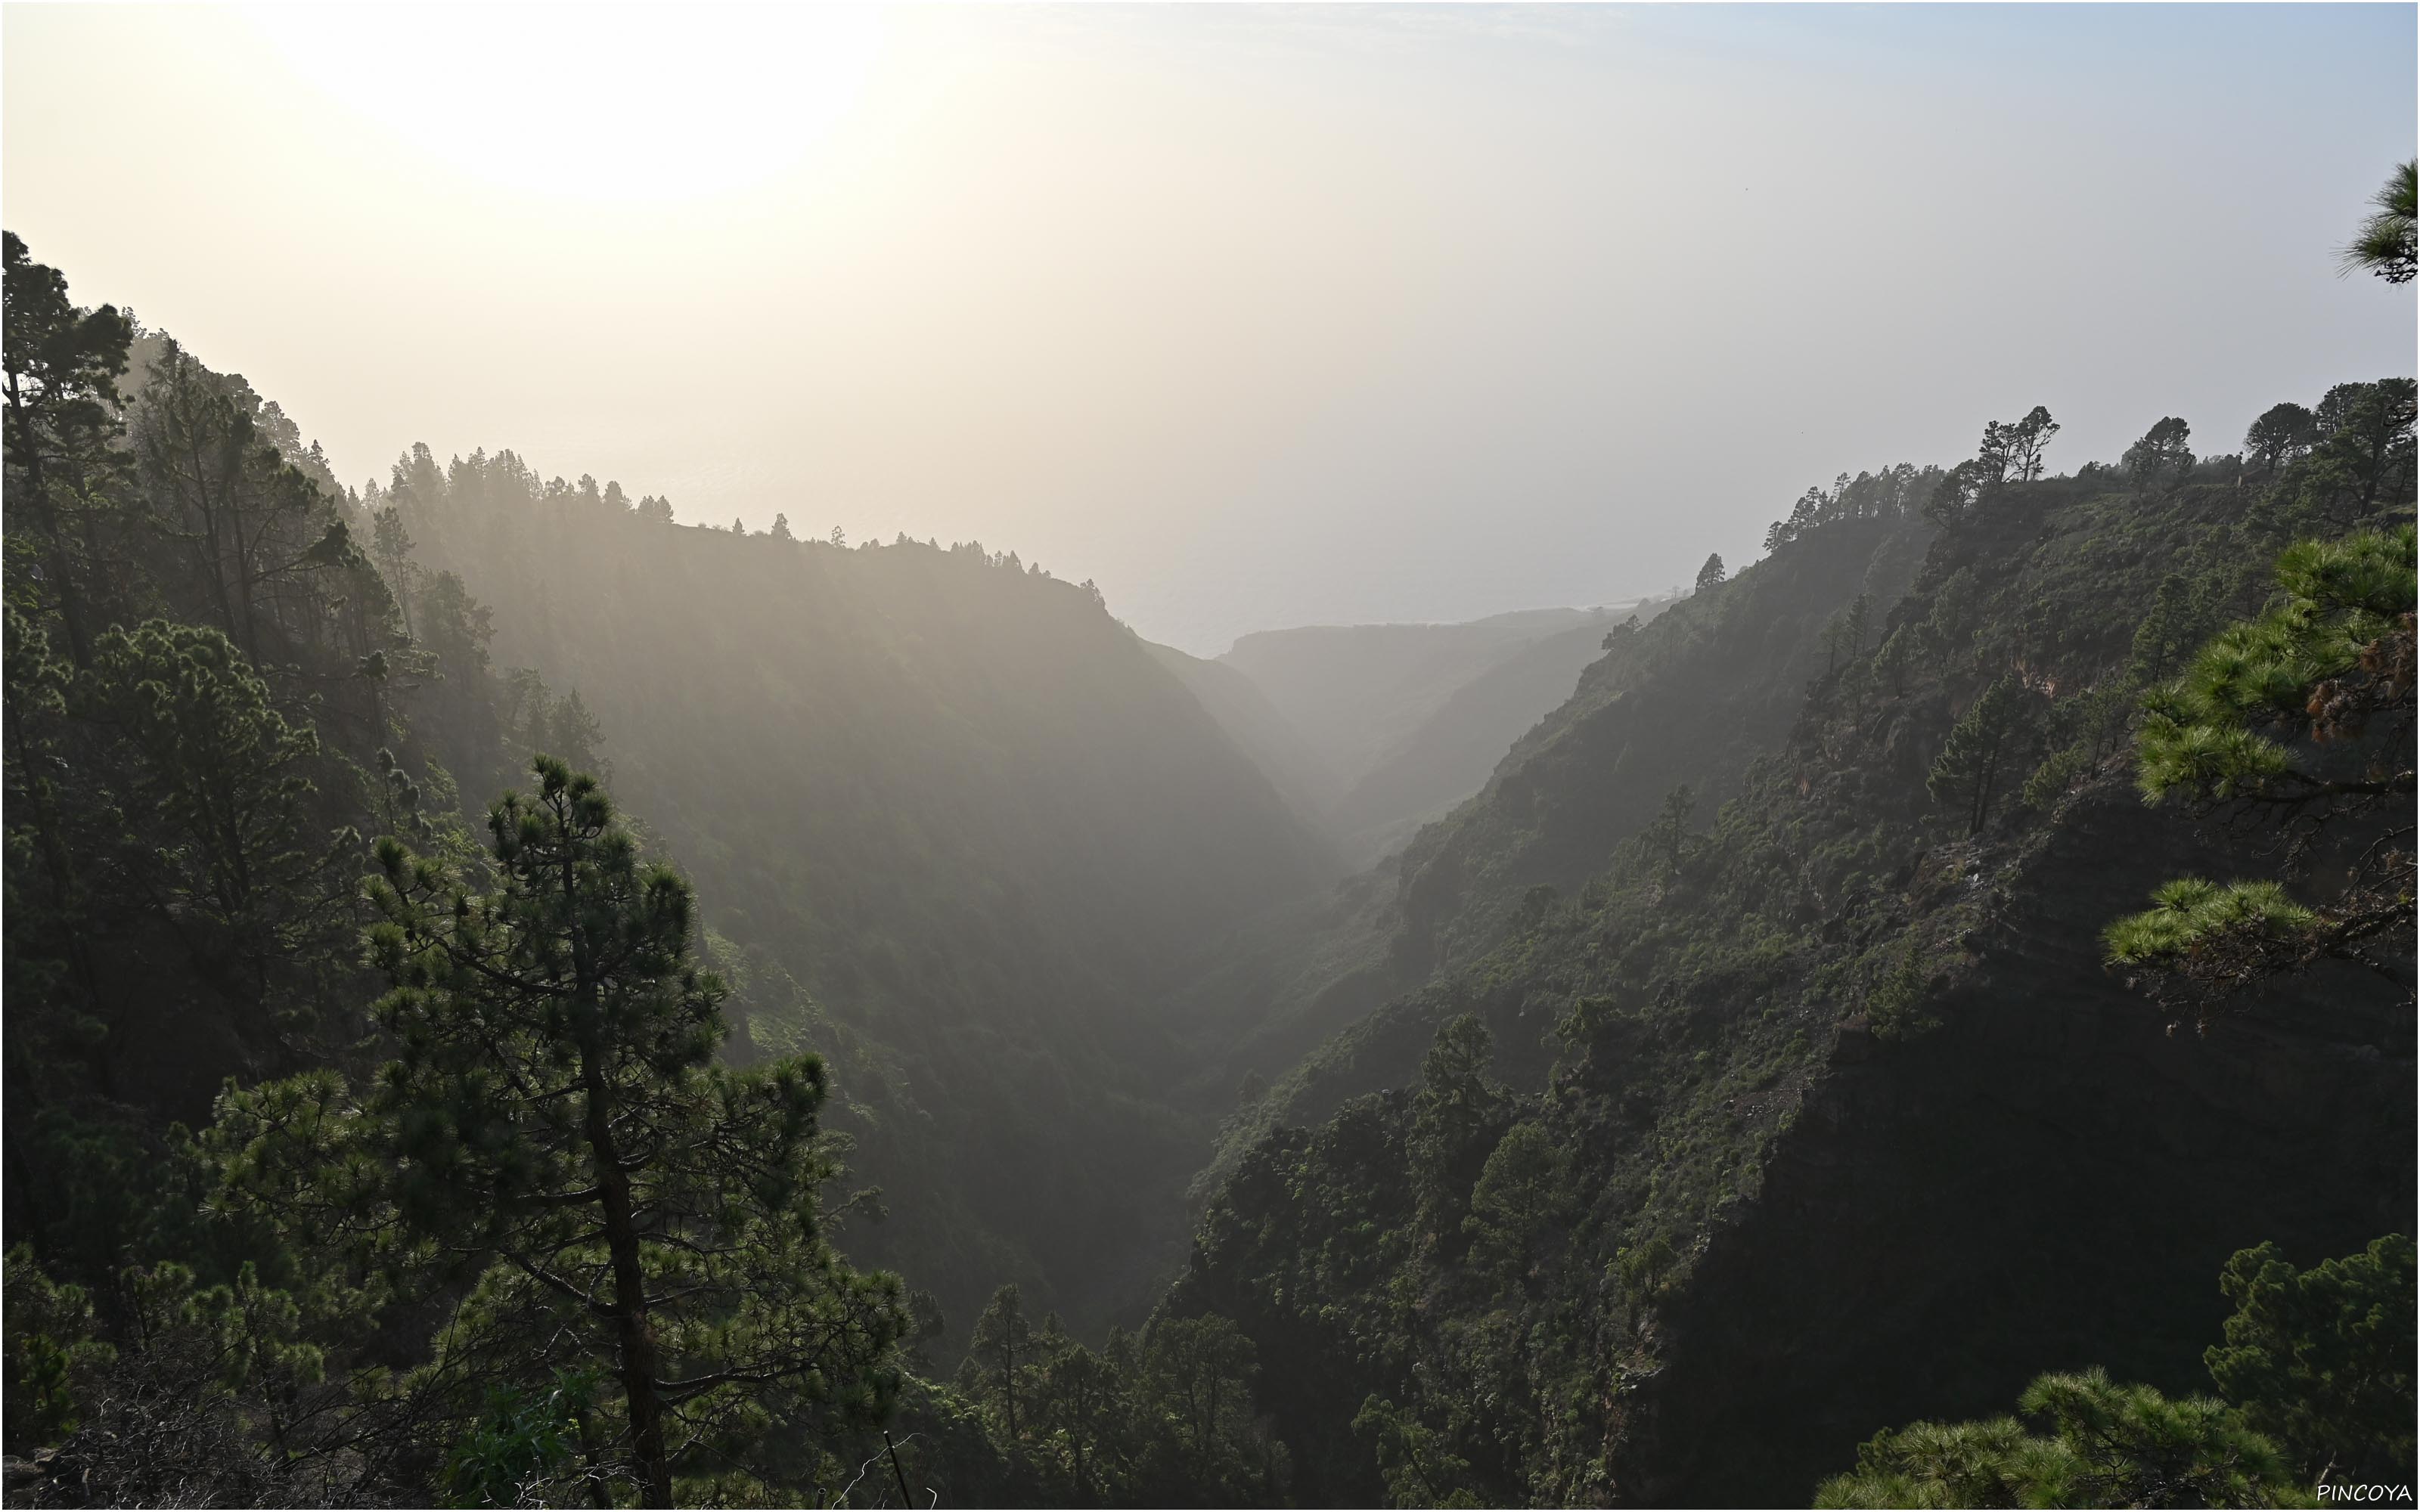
{"type": "Point", "coordinates": [616, 104]}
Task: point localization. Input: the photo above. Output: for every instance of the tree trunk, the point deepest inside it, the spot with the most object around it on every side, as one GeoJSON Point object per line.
{"type": "Point", "coordinates": [636, 1338]}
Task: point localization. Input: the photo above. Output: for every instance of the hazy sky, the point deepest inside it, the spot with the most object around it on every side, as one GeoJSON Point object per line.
{"type": "Point", "coordinates": [1259, 317]}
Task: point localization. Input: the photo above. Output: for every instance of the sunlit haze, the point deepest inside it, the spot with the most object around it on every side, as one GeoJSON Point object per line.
{"type": "Point", "coordinates": [1258, 317]}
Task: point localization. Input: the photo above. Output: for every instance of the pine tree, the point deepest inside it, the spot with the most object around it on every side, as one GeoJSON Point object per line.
{"type": "Point", "coordinates": [1079, 1405]}
{"type": "Point", "coordinates": [2320, 1360]}
{"type": "Point", "coordinates": [61, 370]}
{"type": "Point", "coordinates": [1002, 1350]}
{"type": "Point", "coordinates": [1197, 1378]}
{"type": "Point", "coordinates": [2282, 432]}
{"type": "Point", "coordinates": [2027, 440]}
{"type": "Point", "coordinates": [1668, 833]}
{"type": "Point", "coordinates": [2169, 632]}
{"type": "Point", "coordinates": [1985, 746]}
{"type": "Point", "coordinates": [1418, 1462]}
{"type": "Point", "coordinates": [1949, 630]}
{"type": "Point", "coordinates": [1844, 634]}
{"type": "Point", "coordinates": [253, 528]}
{"type": "Point", "coordinates": [1958, 491]}
{"type": "Point", "coordinates": [211, 782]}
{"type": "Point", "coordinates": [1895, 659]}
{"type": "Point", "coordinates": [1518, 1194]}
{"type": "Point", "coordinates": [2365, 452]}
{"type": "Point", "coordinates": [2161, 457]}
{"type": "Point", "coordinates": [2385, 244]}
{"type": "Point", "coordinates": [2304, 713]}
{"type": "Point", "coordinates": [390, 547]}
{"type": "Point", "coordinates": [1455, 1119]}
{"type": "Point", "coordinates": [2108, 1444]}
{"type": "Point", "coordinates": [555, 1113]}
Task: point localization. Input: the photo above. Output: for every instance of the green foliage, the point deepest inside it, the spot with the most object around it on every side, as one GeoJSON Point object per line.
{"type": "Point", "coordinates": [2303, 712]}
{"type": "Point", "coordinates": [1002, 1344]}
{"type": "Point", "coordinates": [2321, 1360]}
{"type": "Point", "coordinates": [1420, 1470]}
{"type": "Point", "coordinates": [1893, 493]}
{"type": "Point", "coordinates": [1457, 1116]}
{"type": "Point", "coordinates": [523, 1447]}
{"type": "Point", "coordinates": [64, 421]}
{"type": "Point", "coordinates": [1895, 660]}
{"type": "Point", "coordinates": [200, 665]}
{"type": "Point", "coordinates": [2104, 1444]}
{"type": "Point", "coordinates": [214, 779]}
{"type": "Point", "coordinates": [2366, 456]}
{"type": "Point", "coordinates": [2282, 432]}
{"type": "Point", "coordinates": [1165, 1420]}
{"type": "Point", "coordinates": [554, 1104]}
{"type": "Point", "coordinates": [2161, 457]}
{"type": "Point", "coordinates": [535, 720]}
{"type": "Point", "coordinates": [50, 1351]}
{"type": "Point", "coordinates": [553, 1131]}
{"type": "Point", "coordinates": [2056, 774]}
{"type": "Point", "coordinates": [1519, 1192]}
{"type": "Point", "coordinates": [2139, 1449]}
{"type": "Point", "coordinates": [2192, 913]}
{"type": "Point", "coordinates": [1844, 634]}
{"type": "Point", "coordinates": [1668, 836]}
{"type": "Point", "coordinates": [1640, 1269]}
{"type": "Point", "coordinates": [1197, 1374]}
{"type": "Point", "coordinates": [1986, 746]}
{"type": "Point", "coordinates": [1895, 1007]}
{"type": "Point", "coordinates": [2341, 603]}
{"type": "Point", "coordinates": [2179, 620]}
{"type": "Point", "coordinates": [2010, 453]}
{"type": "Point", "coordinates": [2385, 245]}
{"type": "Point", "coordinates": [2316, 1369]}
{"type": "Point", "coordinates": [2026, 440]}
{"type": "Point", "coordinates": [1948, 629]}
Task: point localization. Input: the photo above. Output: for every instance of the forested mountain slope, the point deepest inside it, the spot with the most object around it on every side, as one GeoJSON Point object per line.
{"type": "Point", "coordinates": [930, 797]}
{"type": "Point", "coordinates": [375, 1139]}
{"type": "Point", "coordinates": [1448, 755]}
{"type": "Point", "coordinates": [943, 793]}
{"type": "Point", "coordinates": [1690, 697]}
{"type": "Point", "coordinates": [1689, 1155]}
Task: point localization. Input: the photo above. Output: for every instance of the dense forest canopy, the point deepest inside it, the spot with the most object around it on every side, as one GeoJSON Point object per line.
{"type": "Point", "coordinates": [513, 1000]}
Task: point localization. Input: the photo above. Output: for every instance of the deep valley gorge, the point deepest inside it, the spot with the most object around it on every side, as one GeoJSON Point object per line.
{"type": "Point", "coordinates": [517, 997]}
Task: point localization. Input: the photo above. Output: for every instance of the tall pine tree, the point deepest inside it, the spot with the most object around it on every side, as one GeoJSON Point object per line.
{"type": "Point", "coordinates": [554, 1114]}
{"type": "Point", "coordinates": [1985, 750]}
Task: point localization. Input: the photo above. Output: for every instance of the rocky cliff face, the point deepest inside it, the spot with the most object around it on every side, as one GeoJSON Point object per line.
{"type": "Point", "coordinates": [2050, 1179]}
